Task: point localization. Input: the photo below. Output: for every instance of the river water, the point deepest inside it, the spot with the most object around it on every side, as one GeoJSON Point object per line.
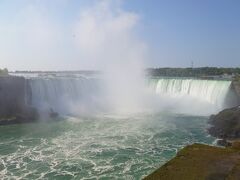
{"type": "Point", "coordinates": [105, 146]}
{"type": "Point", "coordinates": [91, 141]}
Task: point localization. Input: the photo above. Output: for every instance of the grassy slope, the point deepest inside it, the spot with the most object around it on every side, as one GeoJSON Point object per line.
{"type": "Point", "coordinates": [198, 161]}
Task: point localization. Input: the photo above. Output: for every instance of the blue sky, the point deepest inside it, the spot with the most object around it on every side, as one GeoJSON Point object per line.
{"type": "Point", "coordinates": [206, 32]}
{"type": "Point", "coordinates": [38, 34]}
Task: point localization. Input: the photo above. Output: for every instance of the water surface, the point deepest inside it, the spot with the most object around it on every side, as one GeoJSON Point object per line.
{"type": "Point", "coordinates": [100, 147]}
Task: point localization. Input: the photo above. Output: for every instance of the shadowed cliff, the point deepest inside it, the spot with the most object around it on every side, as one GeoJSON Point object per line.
{"type": "Point", "coordinates": [13, 101]}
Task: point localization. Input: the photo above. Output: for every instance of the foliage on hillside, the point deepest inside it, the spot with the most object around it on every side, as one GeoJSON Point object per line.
{"type": "Point", "coordinates": [193, 72]}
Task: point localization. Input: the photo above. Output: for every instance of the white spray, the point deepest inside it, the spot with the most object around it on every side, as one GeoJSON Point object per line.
{"type": "Point", "coordinates": [107, 40]}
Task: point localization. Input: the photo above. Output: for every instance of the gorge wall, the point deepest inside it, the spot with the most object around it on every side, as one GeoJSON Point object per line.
{"type": "Point", "coordinates": [236, 89]}
{"type": "Point", "coordinates": [22, 97]}
{"type": "Point", "coordinates": [12, 95]}
{"type": "Point", "coordinates": [14, 100]}
{"type": "Point", "coordinates": [233, 96]}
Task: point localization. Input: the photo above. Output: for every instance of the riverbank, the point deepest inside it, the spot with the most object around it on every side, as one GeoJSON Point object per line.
{"type": "Point", "coordinates": [199, 161]}
{"type": "Point", "coordinates": [226, 124]}
{"type": "Point", "coordinates": [208, 162]}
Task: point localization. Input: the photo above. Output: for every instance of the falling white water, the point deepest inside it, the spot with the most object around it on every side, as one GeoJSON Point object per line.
{"type": "Point", "coordinates": [212, 92]}
{"type": "Point", "coordinates": [88, 95]}
{"type": "Point", "coordinates": [65, 95]}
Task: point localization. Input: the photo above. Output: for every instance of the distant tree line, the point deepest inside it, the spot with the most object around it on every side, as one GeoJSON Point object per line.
{"type": "Point", "coordinates": [3, 72]}
{"type": "Point", "coordinates": [73, 71]}
{"type": "Point", "coordinates": [193, 72]}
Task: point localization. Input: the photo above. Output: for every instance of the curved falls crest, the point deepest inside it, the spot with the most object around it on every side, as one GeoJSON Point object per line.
{"type": "Point", "coordinates": [65, 94]}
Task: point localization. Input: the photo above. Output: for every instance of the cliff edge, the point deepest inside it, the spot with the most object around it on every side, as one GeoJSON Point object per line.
{"type": "Point", "coordinates": [226, 124]}
{"type": "Point", "coordinates": [201, 162]}
{"type": "Point", "coordinates": [236, 85]}
{"type": "Point", "coordinates": [13, 101]}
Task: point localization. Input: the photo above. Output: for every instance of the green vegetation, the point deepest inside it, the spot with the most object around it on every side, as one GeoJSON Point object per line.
{"type": "Point", "coordinates": [200, 161]}
{"type": "Point", "coordinates": [193, 72]}
{"type": "Point", "coordinates": [3, 72]}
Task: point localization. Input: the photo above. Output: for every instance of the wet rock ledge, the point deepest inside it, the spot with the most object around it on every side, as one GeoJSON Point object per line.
{"type": "Point", "coordinates": [226, 124]}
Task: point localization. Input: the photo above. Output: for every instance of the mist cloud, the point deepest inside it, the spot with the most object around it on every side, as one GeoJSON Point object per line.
{"type": "Point", "coordinates": [102, 36]}
{"type": "Point", "coordinates": [105, 33]}
{"type": "Point", "coordinates": [107, 40]}
{"type": "Point", "coordinates": [34, 38]}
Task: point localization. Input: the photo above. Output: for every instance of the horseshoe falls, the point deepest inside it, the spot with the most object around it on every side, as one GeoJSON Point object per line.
{"type": "Point", "coordinates": [91, 142]}
{"type": "Point", "coordinates": [211, 93]}
{"type": "Point", "coordinates": [62, 94]}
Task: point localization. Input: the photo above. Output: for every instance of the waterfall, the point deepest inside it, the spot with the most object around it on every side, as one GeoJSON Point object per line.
{"type": "Point", "coordinates": [65, 94]}
{"type": "Point", "coordinates": [61, 94]}
{"type": "Point", "coordinates": [210, 91]}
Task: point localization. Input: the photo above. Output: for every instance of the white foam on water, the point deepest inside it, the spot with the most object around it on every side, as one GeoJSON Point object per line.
{"type": "Point", "coordinates": [101, 147]}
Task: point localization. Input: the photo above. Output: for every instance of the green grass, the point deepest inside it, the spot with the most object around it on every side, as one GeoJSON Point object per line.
{"type": "Point", "coordinates": [199, 162]}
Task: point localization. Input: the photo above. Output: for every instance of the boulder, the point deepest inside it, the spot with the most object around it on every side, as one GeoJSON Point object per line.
{"type": "Point", "coordinates": [226, 124]}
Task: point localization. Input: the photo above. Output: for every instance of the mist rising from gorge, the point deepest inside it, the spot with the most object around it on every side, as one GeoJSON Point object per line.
{"type": "Point", "coordinates": [102, 37]}
{"type": "Point", "coordinates": [107, 39]}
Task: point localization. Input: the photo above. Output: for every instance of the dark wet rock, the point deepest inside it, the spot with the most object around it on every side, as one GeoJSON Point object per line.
{"type": "Point", "coordinates": [236, 86]}
{"type": "Point", "coordinates": [200, 161]}
{"type": "Point", "coordinates": [226, 124]}
{"type": "Point", "coordinates": [53, 114]}
{"type": "Point", "coordinates": [224, 142]}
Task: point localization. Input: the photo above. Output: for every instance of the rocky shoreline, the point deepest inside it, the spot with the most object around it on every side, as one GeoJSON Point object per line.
{"type": "Point", "coordinates": [226, 125]}
{"type": "Point", "coordinates": [199, 161]}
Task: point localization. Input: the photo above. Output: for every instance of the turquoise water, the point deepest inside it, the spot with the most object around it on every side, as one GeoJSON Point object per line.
{"type": "Point", "coordinates": [100, 147]}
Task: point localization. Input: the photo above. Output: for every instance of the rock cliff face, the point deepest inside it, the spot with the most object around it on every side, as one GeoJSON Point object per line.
{"type": "Point", "coordinates": [12, 95]}
{"type": "Point", "coordinates": [13, 101]}
{"type": "Point", "coordinates": [226, 124]}
{"type": "Point", "coordinates": [233, 97]}
{"type": "Point", "coordinates": [236, 88]}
